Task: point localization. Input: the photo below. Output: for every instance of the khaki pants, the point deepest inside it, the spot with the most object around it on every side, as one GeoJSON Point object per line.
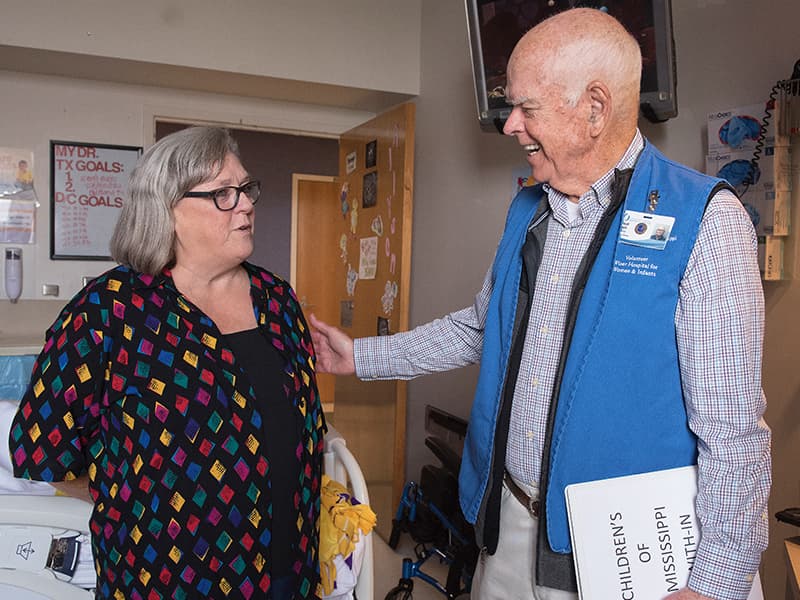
{"type": "Point", "coordinates": [509, 573]}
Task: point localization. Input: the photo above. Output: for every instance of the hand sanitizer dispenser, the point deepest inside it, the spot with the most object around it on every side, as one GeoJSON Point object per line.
{"type": "Point", "coordinates": [13, 273]}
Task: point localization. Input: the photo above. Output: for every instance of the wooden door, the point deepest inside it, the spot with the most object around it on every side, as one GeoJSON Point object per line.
{"type": "Point", "coordinates": [314, 227]}
{"type": "Point", "coordinates": [370, 248]}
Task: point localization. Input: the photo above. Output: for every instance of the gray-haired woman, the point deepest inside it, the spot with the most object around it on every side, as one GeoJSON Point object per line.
{"type": "Point", "coordinates": [182, 384]}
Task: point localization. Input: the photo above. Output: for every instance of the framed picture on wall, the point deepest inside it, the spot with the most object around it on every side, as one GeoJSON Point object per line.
{"type": "Point", "coordinates": [371, 154]}
{"type": "Point", "coordinates": [88, 188]}
{"type": "Point", "coordinates": [370, 190]}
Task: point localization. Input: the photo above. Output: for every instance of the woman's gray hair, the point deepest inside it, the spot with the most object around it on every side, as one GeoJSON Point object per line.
{"type": "Point", "coordinates": [144, 237]}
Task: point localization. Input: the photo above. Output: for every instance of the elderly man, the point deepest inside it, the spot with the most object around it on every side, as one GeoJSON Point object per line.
{"type": "Point", "coordinates": [567, 391]}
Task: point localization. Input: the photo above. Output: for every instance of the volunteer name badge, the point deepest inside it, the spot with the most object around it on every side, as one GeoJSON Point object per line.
{"type": "Point", "coordinates": [645, 229]}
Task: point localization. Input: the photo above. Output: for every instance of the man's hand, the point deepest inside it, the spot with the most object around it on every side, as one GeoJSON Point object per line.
{"type": "Point", "coordinates": [687, 594]}
{"type": "Point", "coordinates": [334, 348]}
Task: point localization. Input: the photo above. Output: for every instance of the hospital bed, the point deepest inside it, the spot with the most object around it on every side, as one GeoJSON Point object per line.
{"type": "Point", "coordinates": [340, 465]}
{"type": "Point", "coordinates": [45, 551]}
{"type": "Point", "coordinates": [45, 548]}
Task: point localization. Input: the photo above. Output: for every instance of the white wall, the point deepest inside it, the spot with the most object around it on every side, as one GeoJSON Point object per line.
{"type": "Point", "coordinates": [371, 45]}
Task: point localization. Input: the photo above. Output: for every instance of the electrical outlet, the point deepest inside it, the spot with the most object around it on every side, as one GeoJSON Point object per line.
{"type": "Point", "coordinates": [50, 289]}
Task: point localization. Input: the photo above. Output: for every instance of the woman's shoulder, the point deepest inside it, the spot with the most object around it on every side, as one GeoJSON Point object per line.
{"type": "Point", "coordinates": [119, 284]}
{"type": "Point", "coordinates": [96, 298]}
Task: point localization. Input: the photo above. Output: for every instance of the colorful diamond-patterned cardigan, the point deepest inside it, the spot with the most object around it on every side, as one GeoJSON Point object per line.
{"type": "Point", "coordinates": [136, 386]}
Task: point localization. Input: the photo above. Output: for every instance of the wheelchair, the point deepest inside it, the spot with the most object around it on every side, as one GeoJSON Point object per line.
{"type": "Point", "coordinates": [430, 513]}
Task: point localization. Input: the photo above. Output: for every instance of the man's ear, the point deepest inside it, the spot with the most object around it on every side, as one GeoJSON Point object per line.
{"type": "Point", "coordinates": [599, 107]}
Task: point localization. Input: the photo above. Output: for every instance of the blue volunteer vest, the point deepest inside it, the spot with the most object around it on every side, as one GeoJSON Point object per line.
{"type": "Point", "coordinates": [619, 408]}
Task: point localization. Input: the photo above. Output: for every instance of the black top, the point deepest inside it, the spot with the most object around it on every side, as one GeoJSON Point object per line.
{"type": "Point", "coordinates": [264, 366]}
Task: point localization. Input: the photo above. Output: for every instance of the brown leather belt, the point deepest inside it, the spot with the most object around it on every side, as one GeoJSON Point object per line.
{"type": "Point", "coordinates": [529, 503]}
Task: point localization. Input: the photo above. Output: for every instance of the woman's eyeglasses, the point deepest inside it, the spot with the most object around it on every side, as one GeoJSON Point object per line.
{"type": "Point", "coordinates": [227, 198]}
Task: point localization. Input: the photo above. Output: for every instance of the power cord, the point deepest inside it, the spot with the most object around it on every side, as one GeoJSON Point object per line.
{"type": "Point", "coordinates": [762, 134]}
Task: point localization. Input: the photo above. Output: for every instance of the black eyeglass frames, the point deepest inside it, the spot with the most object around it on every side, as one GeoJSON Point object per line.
{"type": "Point", "coordinates": [227, 198]}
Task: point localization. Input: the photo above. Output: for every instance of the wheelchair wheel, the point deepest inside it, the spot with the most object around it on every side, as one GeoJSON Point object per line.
{"type": "Point", "coordinates": [403, 591]}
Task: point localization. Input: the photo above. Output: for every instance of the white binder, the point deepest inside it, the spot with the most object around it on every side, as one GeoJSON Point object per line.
{"type": "Point", "coordinates": [635, 536]}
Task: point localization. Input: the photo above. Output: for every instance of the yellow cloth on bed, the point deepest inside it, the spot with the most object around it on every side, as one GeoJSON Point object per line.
{"type": "Point", "coordinates": [340, 524]}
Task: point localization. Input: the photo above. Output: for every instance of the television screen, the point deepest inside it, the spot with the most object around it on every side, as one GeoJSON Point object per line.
{"type": "Point", "coordinates": [495, 26]}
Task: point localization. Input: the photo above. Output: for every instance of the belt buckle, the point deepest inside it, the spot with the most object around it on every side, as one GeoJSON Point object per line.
{"type": "Point", "coordinates": [531, 504]}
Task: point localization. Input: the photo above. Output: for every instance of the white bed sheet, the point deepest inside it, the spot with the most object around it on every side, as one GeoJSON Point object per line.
{"type": "Point", "coordinates": [8, 483]}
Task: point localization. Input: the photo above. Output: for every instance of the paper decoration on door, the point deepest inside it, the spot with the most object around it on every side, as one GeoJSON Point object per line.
{"type": "Point", "coordinates": [368, 260]}
{"type": "Point", "coordinates": [389, 294]}
{"type": "Point", "coordinates": [346, 313]}
{"type": "Point", "coordinates": [371, 154]}
{"type": "Point", "coordinates": [352, 279]}
{"type": "Point", "coordinates": [390, 158]}
{"type": "Point", "coordinates": [370, 197]}
{"type": "Point", "coordinates": [343, 198]}
{"type": "Point", "coordinates": [350, 162]}
{"type": "Point", "coordinates": [377, 226]}
{"type": "Point", "coordinates": [343, 247]}
{"type": "Point", "coordinates": [386, 247]}
{"type": "Point", "coordinates": [392, 263]}
{"type": "Point", "coordinates": [392, 226]}
{"type": "Point", "coordinates": [354, 219]}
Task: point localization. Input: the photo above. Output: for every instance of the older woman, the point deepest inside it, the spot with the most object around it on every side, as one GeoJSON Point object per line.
{"type": "Point", "coordinates": [182, 382]}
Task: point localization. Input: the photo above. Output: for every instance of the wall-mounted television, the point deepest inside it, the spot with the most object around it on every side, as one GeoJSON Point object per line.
{"type": "Point", "coordinates": [495, 26]}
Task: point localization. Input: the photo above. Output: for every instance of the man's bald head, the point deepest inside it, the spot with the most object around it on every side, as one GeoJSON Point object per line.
{"type": "Point", "coordinates": [578, 46]}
